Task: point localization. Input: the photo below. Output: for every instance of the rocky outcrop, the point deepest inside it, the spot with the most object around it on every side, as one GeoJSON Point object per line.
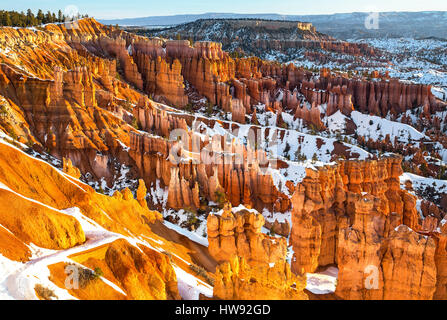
{"type": "Point", "coordinates": [252, 265]}
{"type": "Point", "coordinates": [240, 234]}
{"type": "Point", "coordinates": [52, 191]}
{"type": "Point", "coordinates": [38, 224]}
{"type": "Point", "coordinates": [374, 97]}
{"type": "Point", "coordinates": [409, 270]}
{"type": "Point", "coordinates": [33, 194]}
{"type": "Point", "coordinates": [204, 167]}
{"type": "Point", "coordinates": [255, 37]}
{"type": "Point", "coordinates": [354, 215]}
{"type": "Point", "coordinates": [71, 104]}
{"type": "Point", "coordinates": [236, 280]}
{"type": "Point", "coordinates": [62, 117]}
{"type": "Point", "coordinates": [143, 273]}
{"type": "Point", "coordinates": [150, 118]}
{"type": "Point", "coordinates": [117, 48]}
{"type": "Point", "coordinates": [69, 169]}
{"type": "Point", "coordinates": [162, 79]}
{"type": "Point", "coordinates": [400, 266]}
{"type": "Point", "coordinates": [317, 206]}
{"type": "Point", "coordinates": [29, 219]}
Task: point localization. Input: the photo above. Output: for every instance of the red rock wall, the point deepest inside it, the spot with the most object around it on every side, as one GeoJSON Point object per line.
{"type": "Point", "coordinates": [252, 265]}
{"type": "Point", "coordinates": [335, 46]}
{"type": "Point", "coordinates": [355, 216]}
{"type": "Point", "coordinates": [162, 79]}
{"type": "Point", "coordinates": [240, 234]}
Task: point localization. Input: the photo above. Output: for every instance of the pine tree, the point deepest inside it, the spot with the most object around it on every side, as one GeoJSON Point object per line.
{"type": "Point", "coordinates": [8, 21]}
{"type": "Point", "coordinates": [22, 19]}
{"type": "Point", "coordinates": [48, 17]}
{"type": "Point", "coordinates": [29, 17]}
{"type": "Point", "coordinates": [40, 17]}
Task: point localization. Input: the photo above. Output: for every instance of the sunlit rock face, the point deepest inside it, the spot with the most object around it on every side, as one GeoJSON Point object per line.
{"type": "Point", "coordinates": [252, 265]}
{"type": "Point", "coordinates": [163, 127]}
{"type": "Point", "coordinates": [356, 216]}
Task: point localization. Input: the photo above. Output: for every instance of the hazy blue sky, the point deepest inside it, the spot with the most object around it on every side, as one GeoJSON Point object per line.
{"type": "Point", "coordinates": [142, 8]}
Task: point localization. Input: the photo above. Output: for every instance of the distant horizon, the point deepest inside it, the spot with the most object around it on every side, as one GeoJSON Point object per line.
{"type": "Point", "coordinates": [265, 13]}
{"type": "Point", "coordinates": [117, 10]}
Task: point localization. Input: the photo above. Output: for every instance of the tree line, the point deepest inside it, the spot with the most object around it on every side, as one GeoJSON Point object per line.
{"type": "Point", "coordinates": [29, 19]}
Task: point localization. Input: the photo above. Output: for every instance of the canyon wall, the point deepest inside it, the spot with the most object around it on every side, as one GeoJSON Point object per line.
{"type": "Point", "coordinates": [252, 265]}
{"type": "Point", "coordinates": [355, 216]}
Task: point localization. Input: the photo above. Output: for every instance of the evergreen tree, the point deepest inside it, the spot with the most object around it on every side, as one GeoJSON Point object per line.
{"type": "Point", "coordinates": [8, 21]}
{"type": "Point", "coordinates": [40, 17]}
{"type": "Point", "coordinates": [30, 19]}
{"type": "Point", "coordinates": [48, 17]}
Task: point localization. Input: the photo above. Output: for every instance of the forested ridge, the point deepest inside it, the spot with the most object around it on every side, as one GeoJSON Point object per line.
{"type": "Point", "coordinates": [29, 19]}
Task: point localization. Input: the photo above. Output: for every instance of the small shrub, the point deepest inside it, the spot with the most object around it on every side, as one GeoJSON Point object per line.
{"type": "Point", "coordinates": [44, 293]}
{"type": "Point", "coordinates": [3, 111]}
{"type": "Point", "coordinates": [209, 109]}
{"type": "Point", "coordinates": [299, 157]}
{"type": "Point", "coordinates": [313, 130]}
{"type": "Point", "coordinates": [201, 272]}
{"type": "Point", "coordinates": [168, 254]}
{"type": "Point", "coordinates": [192, 219]}
{"type": "Point", "coordinates": [86, 275]}
{"type": "Point", "coordinates": [284, 126]}
{"type": "Point", "coordinates": [221, 199]}
{"type": "Point", "coordinates": [13, 134]}
{"type": "Point", "coordinates": [287, 148]}
{"type": "Point", "coordinates": [98, 272]}
{"type": "Point", "coordinates": [135, 124]}
{"type": "Point", "coordinates": [189, 108]}
{"type": "Point", "coordinates": [29, 144]}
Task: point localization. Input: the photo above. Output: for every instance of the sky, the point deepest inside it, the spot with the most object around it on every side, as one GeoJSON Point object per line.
{"type": "Point", "coordinates": [112, 9]}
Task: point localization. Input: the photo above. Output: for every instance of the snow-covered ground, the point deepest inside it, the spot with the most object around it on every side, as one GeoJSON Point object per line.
{"type": "Point", "coordinates": [378, 128]}
{"type": "Point", "coordinates": [324, 282]}
{"type": "Point", "coordinates": [194, 236]}
{"type": "Point", "coordinates": [18, 280]}
{"type": "Point", "coordinates": [428, 186]}
{"type": "Point", "coordinates": [190, 287]}
{"type": "Point", "coordinates": [422, 61]}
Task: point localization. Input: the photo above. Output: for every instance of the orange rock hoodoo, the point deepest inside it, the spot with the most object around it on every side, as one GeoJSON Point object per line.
{"type": "Point", "coordinates": [70, 102]}
{"type": "Point", "coordinates": [240, 234]}
{"type": "Point", "coordinates": [354, 215]}
{"type": "Point", "coordinates": [252, 265]}
{"type": "Point", "coordinates": [160, 67]}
